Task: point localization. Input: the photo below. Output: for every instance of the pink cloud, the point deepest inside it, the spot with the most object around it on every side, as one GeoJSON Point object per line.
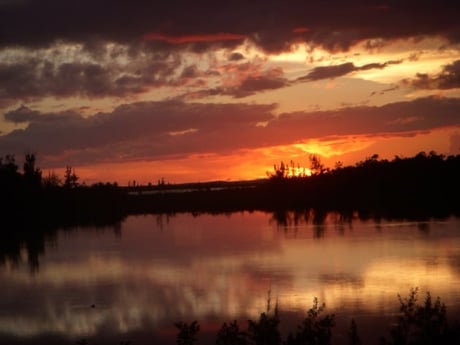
{"type": "Point", "coordinates": [300, 30]}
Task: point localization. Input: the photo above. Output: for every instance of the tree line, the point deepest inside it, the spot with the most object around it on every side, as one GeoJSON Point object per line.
{"type": "Point", "coordinates": [421, 186]}
{"type": "Point", "coordinates": [31, 198]}
{"type": "Point", "coordinates": [427, 183]}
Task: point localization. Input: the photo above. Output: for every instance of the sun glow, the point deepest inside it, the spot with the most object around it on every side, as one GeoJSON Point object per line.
{"type": "Point", "coordinates": [248, 164]}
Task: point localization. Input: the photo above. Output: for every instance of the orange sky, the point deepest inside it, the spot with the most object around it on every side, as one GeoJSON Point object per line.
{"type": "Point", "coordinates": [145, 92]}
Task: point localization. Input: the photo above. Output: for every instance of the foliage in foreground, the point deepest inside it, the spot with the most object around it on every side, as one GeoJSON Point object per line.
{"type": "Point", "coordinates": [416, 324]}
{"type": "Point", "coordinates": [422, 323]}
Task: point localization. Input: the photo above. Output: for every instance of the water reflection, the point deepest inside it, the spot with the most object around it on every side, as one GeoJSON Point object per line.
{"type": "Point", "coordinates": [159, 269]}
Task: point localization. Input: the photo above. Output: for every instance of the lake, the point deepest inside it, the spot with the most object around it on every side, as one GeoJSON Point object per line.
{"type": "Point", "coordinates": [133, 280]}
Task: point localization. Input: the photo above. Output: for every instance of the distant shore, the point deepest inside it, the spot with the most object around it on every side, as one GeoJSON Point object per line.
{"type": "Point", "coordinates": [426, 185]}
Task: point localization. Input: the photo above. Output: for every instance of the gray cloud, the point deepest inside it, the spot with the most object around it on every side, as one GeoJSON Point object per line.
{"type": "Point", "coordinates": [325, 72]}
{"type": "Point", "coordinates": [105, 50]}
{"type": "Point", "coordinates": [21, 114]}
{"type": "Point", "coordinates": [261, 83]}
{"type": "Point", "coordinates": [33, 77]}
{"type": "Point", "coordinates": [448, 78]}
{"type": "Point", "coordinates": [190, 72]}
{"type": "Point", "coordinates": [273, 25]}
{"type": "Point", "coordinates": [153, 130]}
{"type": "Point", "coordinates": [382, 92]}
{"type": "Point", "coordinates": [330, 72]}
{"type": "Point", "coordinates": [236, 56]}
{"type": "Point", "coordinates": [421, 114]}
{"type": "Point", "coordinates": [248, 87]}
{"type": "Point", "coordinates": [133, 130]}
{"type": "Point", "coordinates": [248, 79]}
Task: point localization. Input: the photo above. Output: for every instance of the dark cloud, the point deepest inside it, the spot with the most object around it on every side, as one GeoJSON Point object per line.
{"type": "Point", "coordinates": [30, 77]}
{"type": "Point", "coordinates": [153, 130]}
{"type": "Point", "coordinates": [247, 87]}
{"type": "Point", "coordinates": [236, 56]}
{"type": "Point", "coordinates": [246, 79]}
{"type": "Point", "coordinates": [184, 39]}
{"type": "Point", "coordinates": [388, 89]}
{"type": "Point", "coordinates": [334, 71]}
{"type": "Point", "coordinates": [273, 25]}
{"type": "Point", "coordinates": [190, 72]}
{"type": "Point", "coordinates": [252, 85]}
{"type": "Point", "coordinates": [133, 130]}
{"type": "Point", "coordinates": [21, 114]}
{"type": "Point", "coordinates": [325, 72]}
{"type": "Point", "coordinates": [449, 78]}
{"type": "Point", "coordinates": [421, 114]}
{"type": "Point", "coordinates": [95, 49]}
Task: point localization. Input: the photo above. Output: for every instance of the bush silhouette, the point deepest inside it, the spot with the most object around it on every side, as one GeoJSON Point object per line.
{"type": "Point", "coordinates": [314, 330]}
{"type": "Point", "coordinates": [230, 334]}
{"type": "Point", "coordinates": [417, 324]}
{"type": "Point", "coordinates": [187, 333]}
{"type": "Point", "coordinates": [421, 324]}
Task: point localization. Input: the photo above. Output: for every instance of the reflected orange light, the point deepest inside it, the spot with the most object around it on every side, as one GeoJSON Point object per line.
{"type": "Point", "coordinates": [358, 269]}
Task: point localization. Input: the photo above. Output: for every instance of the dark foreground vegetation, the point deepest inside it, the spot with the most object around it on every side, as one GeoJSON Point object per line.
{"type": "Point", "coordinates": [416, 323]}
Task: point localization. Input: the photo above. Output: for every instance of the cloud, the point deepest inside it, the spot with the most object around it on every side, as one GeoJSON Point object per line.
{"type": "Point", "coordinates": [87, 49]}
{"type": "Point", "coordinates": [455, 143]}
{"type": "Point", "coordinates": [242, 80]}
{"type": "Point", "coordinates": [325, 72]}
{"type": "Point", "coordinates": [273, 25]}
{"type": "Point", "coordinates": [421, 114]}
{"type": "Point", "coordinates": [70, 71]}
{"type": "Point", "coordinates": [388, 89]}
{"type": "Point", "coordinates": [190, 72]}
{"type": "Point", "coordinates": [251, 85]}
{"type": "Point", "coordinates": [248, 87]}
{"type": "Point", "coordinates": [21, 114]}
{"type": "Point", "coordinates": [448, 78]}
{"type": "Point", "coordinates": [300, 30]}
{"type": "Point", "coordinates": [330, 72]}
{"type": "Point", "coordinates": [219, 37]}
{"type": "Point", "coordinates": [137, 129]}
{"type": "Point", "coordinates": [236, 56]}
{"type": "Point", "coordinates": [154, 130]}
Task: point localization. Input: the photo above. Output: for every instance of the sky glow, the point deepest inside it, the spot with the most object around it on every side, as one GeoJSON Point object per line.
{"type": "Point", "coordinates": [206, 92]}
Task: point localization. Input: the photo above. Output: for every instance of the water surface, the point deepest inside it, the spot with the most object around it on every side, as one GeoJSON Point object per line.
{"type": "Point", "coordinates": [134, 280]}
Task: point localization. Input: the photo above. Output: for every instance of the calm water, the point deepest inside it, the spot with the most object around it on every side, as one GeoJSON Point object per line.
{"type": "Point", "coordinates": [132, 281]}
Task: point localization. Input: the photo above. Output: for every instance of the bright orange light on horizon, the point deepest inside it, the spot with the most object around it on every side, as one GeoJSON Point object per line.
{"type": "Point", "coordinates": [249, 164]}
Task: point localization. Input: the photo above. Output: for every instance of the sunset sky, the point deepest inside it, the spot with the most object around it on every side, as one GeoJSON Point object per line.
{"type": "Point", "coordinates": [209, 90]}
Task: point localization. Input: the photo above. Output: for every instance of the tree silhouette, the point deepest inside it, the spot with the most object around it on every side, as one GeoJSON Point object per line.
{"type": "Point", "coordinates": [353, 337]}
{"type": "Point", "coordinates": [187, 332]}
{"type": "Point", "coordinates": [420, 324]}
{"type": "Point", "coordinates": [314, 330]}
{"type": "Point", "coordinates": [280, 171]}
{"type": "Point", "coordinates": [265, 331]}
{"type": "Point", "coordinates": [316, 166]}
{"type": "Point", "coordinates": [70, 178]}
{"type": "Point", "coordinates": [52, 180]}
{"type": "Point", "coordinates": [230, 334]}
{"type": "Point", "coordinates": [32, 175]}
